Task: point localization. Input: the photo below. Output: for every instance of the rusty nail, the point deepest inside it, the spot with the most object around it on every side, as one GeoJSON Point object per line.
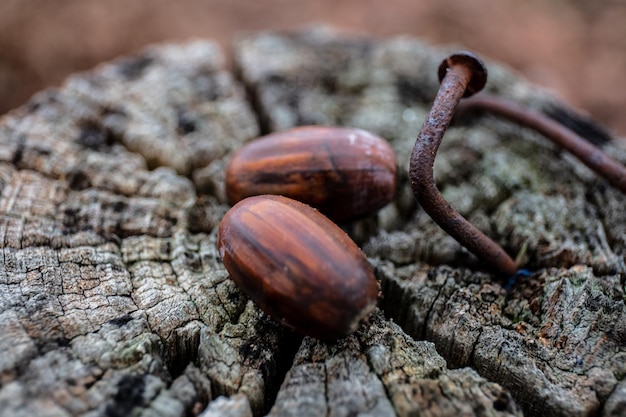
{"type": "Point", "coordinates": [461, 75]}
{"type": "Point", "coordinates": [587, 153]}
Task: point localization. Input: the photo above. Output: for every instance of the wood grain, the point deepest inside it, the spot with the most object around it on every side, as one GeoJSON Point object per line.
{"type": "Point", "coordinates": [113, 299]}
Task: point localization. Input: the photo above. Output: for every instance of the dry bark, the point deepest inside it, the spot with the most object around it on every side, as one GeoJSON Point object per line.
{"type": "Point", "coordinates": [113, 300]}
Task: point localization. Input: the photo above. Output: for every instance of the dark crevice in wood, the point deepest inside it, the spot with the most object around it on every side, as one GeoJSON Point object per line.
{"type": "Point", "coordinates": [496, 334]}
{"type": "Point", "coordinates": [253, 99]}
{"type": "Point", "coordinates": [95, 135]}
{"type": "Point", "coordinates": [129, 395]}
{"type": "Point", "coordinates": [274, 372]}
{"type": "Point", "coordinates": [133, 67]}
{"type": "Point", "coordinates": [181, 349]}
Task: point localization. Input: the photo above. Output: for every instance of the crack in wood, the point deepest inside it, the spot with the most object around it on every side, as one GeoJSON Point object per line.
{"type": "Point", "coordinates": [107, 259]}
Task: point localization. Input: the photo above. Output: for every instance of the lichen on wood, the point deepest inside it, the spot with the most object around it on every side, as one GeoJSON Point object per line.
{"type": "Point", "coordinates": [113, 299]}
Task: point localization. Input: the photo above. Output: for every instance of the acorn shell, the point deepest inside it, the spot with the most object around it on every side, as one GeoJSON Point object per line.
{"type": "Point", "coordinates": [343, 172]}
{"type": "Point", "coordinates": [297, 266]}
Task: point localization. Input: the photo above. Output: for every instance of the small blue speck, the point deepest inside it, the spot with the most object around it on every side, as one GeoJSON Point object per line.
{"type": "Point", "coordinates": [521, 273]}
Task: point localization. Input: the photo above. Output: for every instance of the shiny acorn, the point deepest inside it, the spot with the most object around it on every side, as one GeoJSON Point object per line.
{"type": "Point", "coordinates": [297, 266]}
{"type": "Point", "coordinates": [343, 172]}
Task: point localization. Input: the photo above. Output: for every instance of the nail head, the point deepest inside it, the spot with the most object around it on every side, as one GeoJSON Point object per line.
{"type": "Point", "coordinates": [476, 66]}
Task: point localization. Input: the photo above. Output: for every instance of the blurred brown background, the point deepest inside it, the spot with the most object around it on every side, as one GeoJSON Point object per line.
{"type": "Point", "coordinates": [575, 47]}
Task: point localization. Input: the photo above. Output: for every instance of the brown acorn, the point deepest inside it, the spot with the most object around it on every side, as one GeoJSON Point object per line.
{"type": "Point", "coordinates": [297, 266]}
{"type": "Point", "coordinates": [343, 172]}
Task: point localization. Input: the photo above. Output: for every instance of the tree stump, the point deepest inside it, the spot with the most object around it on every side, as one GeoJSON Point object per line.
{"type": "Point", "coordinates": [113, 299]}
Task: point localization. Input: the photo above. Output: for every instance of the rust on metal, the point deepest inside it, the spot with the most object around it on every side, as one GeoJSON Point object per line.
{"type": "Point", "coordinates": [461, 75]}
{"type": "Point", "coordinates": [587, 153]}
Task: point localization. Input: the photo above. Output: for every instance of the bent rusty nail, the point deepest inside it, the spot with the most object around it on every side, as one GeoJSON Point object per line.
{"type": "Point", "coordinates": [587, 153]}
{"type": "Point", "coordinates": [461, 75]}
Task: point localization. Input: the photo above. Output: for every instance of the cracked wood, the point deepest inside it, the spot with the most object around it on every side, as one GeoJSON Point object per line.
{"type": "Point", "coordinates": [113, 300]}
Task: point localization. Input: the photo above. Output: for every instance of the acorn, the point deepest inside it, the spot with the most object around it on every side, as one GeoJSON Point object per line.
{"type": "Point", "coordinates": [345, 173]}
{"type": "Point", "coordinates": [298, 266]}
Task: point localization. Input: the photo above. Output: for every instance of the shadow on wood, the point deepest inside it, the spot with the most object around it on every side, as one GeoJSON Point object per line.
{"type": "Point", "coordinates": [113, 300]}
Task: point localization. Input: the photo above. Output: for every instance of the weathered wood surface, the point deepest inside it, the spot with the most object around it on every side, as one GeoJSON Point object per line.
{"type": "Point", "coordinates": [113, 300]}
